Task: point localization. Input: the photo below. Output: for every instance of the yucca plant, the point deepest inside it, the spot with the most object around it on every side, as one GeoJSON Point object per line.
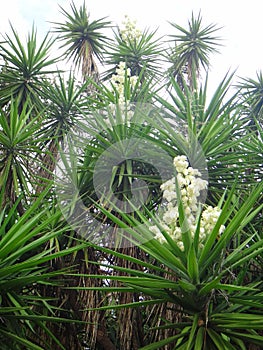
{"type": "Point", "coordinates": [25, 68]}
{"type": "Point", "coordinates": [192, 49]}
{"type": "Point", "coordinates": [210, 283]}
{"type": "Point", "coordinates": [111, 133]}
{"type": "Point", "coordinates": [26, 255]}
{"type": "Point", "coordinates": [218, 126]}
{"type": "Point", "coordinates": [140, 51]}
{"type": "Point", "coordinates": [64, 106]}
{"type": "Point", "coordinates": [83, 39]}
{"type": "Point", "coordinates": [183, 126]}
{"type": "Point", "coordinates": [18, 153]}
{"type": "Point", "coordinates": [151, 285]}
{"type": "Point", "coordinates": [251, 94]}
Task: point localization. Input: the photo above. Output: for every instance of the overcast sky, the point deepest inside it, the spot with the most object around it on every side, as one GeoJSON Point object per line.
{"type": "Point", "coordinates": [241, 21]}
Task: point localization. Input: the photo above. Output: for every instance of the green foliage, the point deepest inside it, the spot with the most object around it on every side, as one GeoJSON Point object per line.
{"type": "Point", "coordinates": [220, 307]}
{"type": "Point", "coordinates": [24, 267]}
{"type": "Point", "coordinates": [219, 128]}
{"type": "Point", "coordinates": [251, 94]}
{"type": "Point", "coordinates": [57, 289]}
{"type": "Point", "coordinates": [82, 38]}
{"type": "Point", "coordinates": [141, 54]}
{"type": "Point", "coordinates": [24, 68]}
{"type": "Point", "coordinates": [18, 151]}
{"type": "Point", "coordinates": [65, 106]}
{"type": "Point", "coordinates": [193, 47]}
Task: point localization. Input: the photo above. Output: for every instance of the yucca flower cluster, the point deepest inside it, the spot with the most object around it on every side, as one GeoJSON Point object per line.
{"type": "Point", "coordinates": [118, 82]}
{"type": "Point", "coordinates": [129, 32]}
{"type": "Point", "coordinates": [190, 185]}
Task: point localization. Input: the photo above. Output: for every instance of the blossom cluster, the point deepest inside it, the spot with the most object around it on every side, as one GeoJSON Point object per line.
{"type": "Point", "coordinates": [190, 185]}
{"type": "Point", "coordinates": [118, 82]}
{"type": "Point", "coordinates": [129, 32]}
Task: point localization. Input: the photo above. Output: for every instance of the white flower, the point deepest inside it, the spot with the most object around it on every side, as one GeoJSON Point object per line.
{"type": "Point", "coordinates": [133, 80]}
{"type": "Point", "coordinates": [180, 245]}
{"type": "Point", "coordinates": [169, 195]}
{"type": "Point", "coordinates": [194, 207]}
{"type": "Point", "coordinates": [199, 184]}
{"type": "Point", "coordinates": [193, 172]}
{"type": "Point", "coordinates": [169, 191]}
{"type": "Point", "coordinates": [190, 184]}
{"type": "Point", "coordinates": [181, 180]}
{"type": "Point", "coordinates": [118, 81]}
{"type": "Point", "coordinates": [222, 229]}
{"type": "Point", "coordinates": [180, 163]}
{"type": "Point", "coordinates": [168, 185]}
{"type": "Point", "coordinates": [209, 218]}
{"type": "Point", "coordinates": [170, 215]}
{"type": "Point", "coordinates": [129, 32]}
{"type": "Point", "coordinates": [155, 230]}
{"type": "Point", "coordinates": [158, 234]}
{"type": "Point", "coordinates": [122, 65]}
{"type": "Point", "coordinates": [187, 211]}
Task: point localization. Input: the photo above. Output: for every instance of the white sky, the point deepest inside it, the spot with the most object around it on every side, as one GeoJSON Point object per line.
{"type": "Point", "coordinates": [241, 21]}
